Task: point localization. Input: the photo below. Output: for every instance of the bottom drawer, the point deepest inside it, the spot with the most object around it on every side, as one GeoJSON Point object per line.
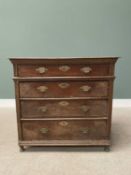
{"type": "Point", "coordinates": [64, 130]}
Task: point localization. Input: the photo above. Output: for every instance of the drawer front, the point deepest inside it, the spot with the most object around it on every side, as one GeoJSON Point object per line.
{"type": "Point", "coordinates": [63, 70]}
{"type": "Point", "coordinates": [64, 108]}
{"type": "Point", "coordinates": [64, 130]}
{"type": "Point", "coordinates": [64, 89]}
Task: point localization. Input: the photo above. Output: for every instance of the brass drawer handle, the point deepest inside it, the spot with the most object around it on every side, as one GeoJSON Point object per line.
{"type": "Point", "coordinates": [41, 70]}
{"type": "Point", "coordinates": [84, 108]}
{"type": "Point", "coordinates": [84, 130]}
{"type": "Point", "coordinates": [42, 88]}
{"type": "Point", "coordinates": [63, 123]}
{"type": "Point", "coordinates": [44, 130]}
{"type": "Point", "coordinates": [63, 103]}
{"type": "Point", "coordinates": [86, 70]}
{"type": "Point", "coordinates": [43, 108]}
{"type": "Point", "coordinates": [85, 88]}
{"type": "Point", "coordinates": [64, 68]}
{"type": "Point", "coordinates": [63, 85]}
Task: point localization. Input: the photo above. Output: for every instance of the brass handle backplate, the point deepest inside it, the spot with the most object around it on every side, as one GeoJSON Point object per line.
{"type": "Point", "coordinates": [44, 130]}
{"type": "Point", "coordinates": [63, 103]}
{"type": "Point", "coordinates": [41, 70]}
{"type": "Point", "coordinates": [84, 108]}
{"type": "Point", "coordinates": [42, 88]}
{"type": "Point", "coordinates": [86, 69]}
{"type": "Point", "coordinates": [43, 108]}
{"type": "Point", "coordinates": [84, 130]}
{"type": "Point", "coordinates": [63, 85]}
{"type": "Point", "coordinates": [64, 68]}
{"type": "Point", "coordinates": [85, 88]}
{"type": "Point", "coordinates": [63, 123]}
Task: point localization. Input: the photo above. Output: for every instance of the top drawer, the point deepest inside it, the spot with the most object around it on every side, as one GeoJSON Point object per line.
{"type": "Point", "coordinates": [50, 70]}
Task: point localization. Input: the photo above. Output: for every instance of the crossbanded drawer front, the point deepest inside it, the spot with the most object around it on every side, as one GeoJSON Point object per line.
{"type": "Point", "coordinates": [64, 130]}
{"type": "Point", "coordinates": [64, 89]}
{"type": "Point", "coordinates": [64, 108]}
{"type": "Point", "coordinates": [63, 70]}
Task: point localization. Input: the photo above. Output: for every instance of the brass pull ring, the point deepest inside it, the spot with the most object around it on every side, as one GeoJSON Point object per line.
{"type": "Point", "coordinates": [64, 68]}
{"type": "Point", "coordinates": [44, 130]}
{"type": "Point", "coordinates": [84, 130]}
{"type": "Point", "coordinates": [84, 108]}
{"type": "Point", "coordinates": [43, 108]}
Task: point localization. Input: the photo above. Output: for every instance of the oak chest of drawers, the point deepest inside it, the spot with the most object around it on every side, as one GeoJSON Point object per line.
{"type": "Point", "coordinates": [64, 101]}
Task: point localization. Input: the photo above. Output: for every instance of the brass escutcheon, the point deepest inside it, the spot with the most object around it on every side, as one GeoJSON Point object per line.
{"type": "Point", "coordinates": [41, 70]}
{"type": "Point", "coordinates": [64, 68]}
{"type": "Point", "coordinates": [85, 88]}
{"type": "Point", "coordinates": [42, 88]}
{"type": "Point", "coordinates": [86, 69]}
{"type": "Point", "coordinates": [63, 123]}
{"type": "Point", "coordinates": [64, 103]}
{"type": "Point", "coordinates": [63, 85]}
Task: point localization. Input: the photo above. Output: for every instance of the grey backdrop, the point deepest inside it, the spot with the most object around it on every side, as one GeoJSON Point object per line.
{"type": "Point", "coordinates": [66, 28]}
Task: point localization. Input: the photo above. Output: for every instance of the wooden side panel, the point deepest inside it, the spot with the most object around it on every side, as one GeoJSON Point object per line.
{"type": "Point", "coordinates": [18, 109]}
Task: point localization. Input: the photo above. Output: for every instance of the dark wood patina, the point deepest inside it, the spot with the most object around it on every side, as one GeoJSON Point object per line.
{"type": "Point", "coordinates": [64, 101]}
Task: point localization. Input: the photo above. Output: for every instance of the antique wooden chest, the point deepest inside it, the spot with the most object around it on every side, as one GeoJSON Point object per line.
{"type": "Point", "coordinates": [64, 101]}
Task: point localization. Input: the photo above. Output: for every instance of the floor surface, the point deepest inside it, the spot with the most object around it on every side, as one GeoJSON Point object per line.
{"type": "Point", "coordinates": [66, 161]}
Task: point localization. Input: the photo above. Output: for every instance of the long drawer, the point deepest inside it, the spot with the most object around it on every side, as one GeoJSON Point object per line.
{"type": "Point", "coordinates": [64, 130]}
{"type": "Point", "coordinates": [64, 89]}
{"type": "Point", "coordinates": [63, 108]}
{"type": "Point", "coordinates": [44, 70]}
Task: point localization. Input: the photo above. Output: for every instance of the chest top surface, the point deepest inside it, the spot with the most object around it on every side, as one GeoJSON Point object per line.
{"type": "Point", "coordinates": [34, 60]}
